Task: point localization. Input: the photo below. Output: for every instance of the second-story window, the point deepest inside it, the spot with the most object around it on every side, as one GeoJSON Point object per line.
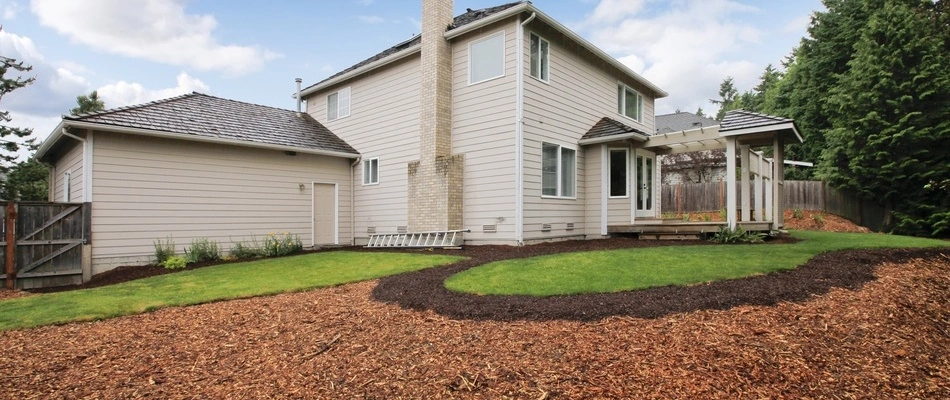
{"type": "Point", "coordinates": [539, 57]}
{"type": "Point", "coordinates": [338, 104]}
{"type": "Point", "coordinates": [486, 58]}
{"type": "Point", "coordinates": [629, 103]}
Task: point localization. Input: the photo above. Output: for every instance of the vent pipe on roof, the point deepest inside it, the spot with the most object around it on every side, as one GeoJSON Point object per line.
{"type": "Point", "coordinates": [298, 80]}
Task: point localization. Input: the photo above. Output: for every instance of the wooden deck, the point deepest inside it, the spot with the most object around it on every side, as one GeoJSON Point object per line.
{"type": "Point", "coordinates": [677, 227]}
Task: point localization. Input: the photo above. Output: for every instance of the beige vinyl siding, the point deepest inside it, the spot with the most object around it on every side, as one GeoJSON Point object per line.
{"type": "Point", "coordinates": [581, 91]}
{"type": "Point", "coordinates": [149, 188]}
{"type": "Point", "coordinates": [483, 129]}
{"type": "Point", "coordinates": [383, 123]}
{"type": "Point", "coordinates": [592, 201]}
{"type": "Point", "coordinates": [71, 161]}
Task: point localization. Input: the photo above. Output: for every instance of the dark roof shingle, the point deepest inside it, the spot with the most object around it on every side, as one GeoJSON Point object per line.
{"type": "Point", "coordinates": [607, 127]}
{"type": "Point", "coordinates": [213, 117]}
{"type": "Point", "coordinates": [741, 119]}
{"type": "Point", "coordinates": [681, 121]}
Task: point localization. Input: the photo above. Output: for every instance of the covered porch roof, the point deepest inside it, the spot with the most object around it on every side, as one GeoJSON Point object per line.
{"type": "Point", "coordinates": [748, 128]}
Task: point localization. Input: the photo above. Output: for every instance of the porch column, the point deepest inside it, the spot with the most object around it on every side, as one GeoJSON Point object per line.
{"type": "Point", "coordinates": [604, 188]}
{"type": "Point", "coordinates": [731, 182]}
{"type": "Point", "coordinates": [758, 164]}
{"type": "Point", "coordinates": [778, 177]}
{"type": "Point", "coordinates": [769, 188]}
{"type": "Point", "coordinates": [746, 194]}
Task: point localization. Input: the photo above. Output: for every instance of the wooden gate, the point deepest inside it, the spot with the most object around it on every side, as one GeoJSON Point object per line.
{"type": "Point", "coordinates": [44, 244]}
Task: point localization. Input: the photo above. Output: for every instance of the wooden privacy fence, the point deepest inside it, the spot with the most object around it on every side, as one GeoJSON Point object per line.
{"type": "Point", "coordinates": [804, 195]}
{"type": "Point", "coordinates": [45, 244]}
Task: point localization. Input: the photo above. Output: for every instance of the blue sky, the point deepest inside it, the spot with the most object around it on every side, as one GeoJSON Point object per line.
{"type": "Point", "coordinates": [134, 51]}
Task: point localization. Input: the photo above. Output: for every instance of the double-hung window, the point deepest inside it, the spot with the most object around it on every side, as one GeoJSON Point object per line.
{"type": "Point", "coordinates": [486, 58]}
{"type": "Point", "coordinates": [619, 171]}
{"type": "Point", "coordinates": [629, 102]}
{"type": "Point", "coordinates": [539, 57]}
{"type": "Point", "coordinates": [371, 171]}
{"type": "Point", "coordinates": [338, 104]}
{"type": "Point", "coordinates": [558, 170]}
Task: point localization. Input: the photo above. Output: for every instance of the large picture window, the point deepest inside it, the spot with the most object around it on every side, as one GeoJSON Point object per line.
{"type": "Point", "coordinates": [539, 57]}
{"type": "Point", "coordinates": [486, 58]}
{"type": "Point", "coordinates": [338, 104]}
{"type": "Point", "coordinates": [558, 170]}
{"type": "Point", "coordinates": [629, 103]}
{"type": "Point", "coordinates": [619, 171]}
{"type": "Point", "coordinates": [371, 171]}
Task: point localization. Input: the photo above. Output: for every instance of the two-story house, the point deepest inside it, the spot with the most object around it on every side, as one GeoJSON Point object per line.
{"type": "Point", "coordinates": [499, 121]}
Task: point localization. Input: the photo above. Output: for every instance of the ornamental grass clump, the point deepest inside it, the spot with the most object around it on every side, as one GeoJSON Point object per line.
{"type": "Point", "coordinates": [203, 249]}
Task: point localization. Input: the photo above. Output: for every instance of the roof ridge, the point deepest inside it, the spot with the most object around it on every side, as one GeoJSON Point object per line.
{"type": "Point", "coordinates": [245, 102]}
{"type": "Point", "coordinates": [130, 107]}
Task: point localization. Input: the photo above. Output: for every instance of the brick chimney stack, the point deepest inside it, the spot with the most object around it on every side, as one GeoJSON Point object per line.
{"type": "Point", "coordinates": [435, 181]}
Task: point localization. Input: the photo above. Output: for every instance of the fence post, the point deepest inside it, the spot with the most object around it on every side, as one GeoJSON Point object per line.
{"type": "Point", "coordinates": [11, 246]}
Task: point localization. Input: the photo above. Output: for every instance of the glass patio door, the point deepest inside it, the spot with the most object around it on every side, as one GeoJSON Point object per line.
{"type": "Point", "coordinates": [645, 178]}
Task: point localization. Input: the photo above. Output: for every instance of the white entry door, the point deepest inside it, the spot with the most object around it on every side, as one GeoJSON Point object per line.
{"type": "Point", "coordinates": [324, 214]}
{"type": "Point", "coordinates": [645, 179]}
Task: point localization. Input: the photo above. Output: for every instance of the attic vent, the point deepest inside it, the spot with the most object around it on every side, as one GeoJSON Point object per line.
{"type": "Point", "coordinates": [371, 230]}
{"type": "Point", "coordinates": [570, 226]}
{"type": "Point", "coordinates": [401, 229]}
{"type": "Point", "coordinates": [545, 227]}
{"type": "Point", "coordinates": [489, 228]}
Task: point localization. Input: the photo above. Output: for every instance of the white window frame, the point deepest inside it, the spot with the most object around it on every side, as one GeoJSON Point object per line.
{"type": "Point", "coordinates": [622, 101]}
{"type": "Point", "coordinates": [471, 80]}
{"type": "Point", "coordinates": [339, 112]}
{"type": "Point", "coordinates": [368, 164]}
{"type": "Point", "coordinates": [543, 70]}
{"type": "Point", "coordinates": [67, 186]}
{"type": "Point", "coordinates": [610, 182]}
{"type": "Point", "coordinates": [560, 172]}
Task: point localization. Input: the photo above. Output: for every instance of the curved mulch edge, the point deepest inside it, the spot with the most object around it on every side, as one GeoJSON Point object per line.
{"type": "Point", "coordinates": [850, 269]}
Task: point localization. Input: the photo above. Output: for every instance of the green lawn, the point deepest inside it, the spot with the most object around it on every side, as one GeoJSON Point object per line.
{"type": "Point", "coordinates": [632, 269]}
{"type": "Point", "coordinates": [222, 282]}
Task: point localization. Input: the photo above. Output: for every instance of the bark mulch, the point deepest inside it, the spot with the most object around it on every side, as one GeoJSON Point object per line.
{"type": "Point", "coordinates": [884, 338]}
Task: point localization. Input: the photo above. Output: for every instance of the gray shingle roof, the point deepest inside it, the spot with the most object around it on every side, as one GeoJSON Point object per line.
{"type": "Point", "coordinates": [213, 117]}
{"type": "Point", "coordinates": [464, 19]}
{"type": "Point", "coordinates": [741, 119]}
{"type": "Point", "coordinates": [607, 127]}
{"type": "Point", "coordinates": [681, 121]}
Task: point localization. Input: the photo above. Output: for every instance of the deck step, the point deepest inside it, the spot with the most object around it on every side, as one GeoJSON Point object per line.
{"type": "Point", "coordinates": [434, 239]}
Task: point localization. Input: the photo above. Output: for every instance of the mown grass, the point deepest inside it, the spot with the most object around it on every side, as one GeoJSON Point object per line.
{"type": "Point", "coordinates": [222, 282]}
{"type": "Point", "coordinates": [632, 269]}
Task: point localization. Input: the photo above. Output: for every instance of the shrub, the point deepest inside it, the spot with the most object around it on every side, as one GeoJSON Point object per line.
{"type": "Point", "coordinates": [798, 213]}
{"type": "Point", "coordinates": [281, 244]}
{"type": "Point", "coordinates": [175, 262]}
{"type": "Point", "coordinates": [728, 235]}
{"type": "Point", "coordinates": [203, 249]}
{"type": "Point", "coordinates": [819, 219]}
{"type": "Point", "coordinates": [240, 250]}
{"type": "Point", "coordinates": [164, 250]}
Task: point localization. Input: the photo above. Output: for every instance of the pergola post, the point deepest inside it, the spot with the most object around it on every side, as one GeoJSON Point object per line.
{"type": "Point", "coordinates": [769, 189]}
{"type": "Point", "coordinates": [745, 193]}
{"type": "Point", "coordinates": [731, 182]}
{"type": "Point", "coordinates": [778, 176]}
{"type": "Point", "coordinates": [758, 163]}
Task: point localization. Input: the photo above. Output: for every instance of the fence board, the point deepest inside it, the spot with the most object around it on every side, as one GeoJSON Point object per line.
{"type": "Point", "coordinates": [48, 247]}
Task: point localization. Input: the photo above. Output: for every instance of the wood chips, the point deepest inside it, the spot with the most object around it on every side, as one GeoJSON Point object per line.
{"type": "Point", "coordinates": [889, 339]}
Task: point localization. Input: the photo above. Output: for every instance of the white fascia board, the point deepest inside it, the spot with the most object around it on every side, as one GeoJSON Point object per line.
{"type": "Point", "coordinates": [766, 128]}
{"type": "Point", "coordinates": [203, 139]}
{"type": "Point", "coordinates": [361, 70]}
{"type": "Point", "coordinates": [50, 140]}
{"type": "Point", "coordinates": [635, 136]}
{"type": "Point", "coordinates": [564, 30]}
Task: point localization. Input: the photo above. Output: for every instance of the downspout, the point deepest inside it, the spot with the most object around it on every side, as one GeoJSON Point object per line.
{"type": "Point", "coordinates": [353, 200]}
{"type": "Point", "coordinates": [519, 132]}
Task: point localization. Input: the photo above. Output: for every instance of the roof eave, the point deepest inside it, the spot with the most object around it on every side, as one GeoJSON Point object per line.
{"type": "Point", "coordinates": [182, 136]}
{"type": "Point", "coordinates": [359, 71]}
{"type": "Point", "coordinates": [781, 126]}
{"type": "Point", "coordinates": [605, 139]}
{"type": "Point", "coordinates": [47, 144]}
{"type": "Point", "coordinates": [659, 93]}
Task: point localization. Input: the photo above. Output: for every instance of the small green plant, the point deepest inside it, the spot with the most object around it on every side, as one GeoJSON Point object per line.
{"type": "Point", "coordinates": [281, 244]}
{"type": "Point", "coordinates": [668, 215]}
{"type": "Point", "coordinates": [175, 262]}
{"type": "Point", "coordinates": [722, 214]}
{"type": "Point", "coordinates": [241, 250]}
{"type": "Point", "coordinates": [707, 217]}
{"type": "Point", "coordinates": [819, 219]}
{"type": "Point", "coordinates": [203, 249]}
{"type": "Point", "coordinates": [728, 235]}
{"type": "Point", "coordinates": [164, 250]}
{"type": "Point", "coordinates": [686, 217]}
{"type": "Point", "coordinates": [798, 213]}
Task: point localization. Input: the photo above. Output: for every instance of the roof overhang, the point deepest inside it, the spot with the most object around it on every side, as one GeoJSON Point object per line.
{"type": "Point", "coordinates": [763, 135]}
{"type": "Point", "coordinates": [528, 7]}
{"type": "Point", "coordinates": [361, 70]}
{"type": "Point", "coordinates": [635, 136]}
{"type": "Point", "coordinates": [714, 138]}
{"type": "Point", "coordinates": [59, 132]}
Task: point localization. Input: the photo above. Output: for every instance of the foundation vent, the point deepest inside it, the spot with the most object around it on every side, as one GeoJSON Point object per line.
{"type": "Point", "coordinates": [401, 229]}
{"type": "Point", "coordinates": [570, 226]}
{"type": "Point", "coordinates": [371, 230]}
{"type": "Point", "coordinates": [490, 228]}
{"type": "Point", "coordinates": [545, 227]}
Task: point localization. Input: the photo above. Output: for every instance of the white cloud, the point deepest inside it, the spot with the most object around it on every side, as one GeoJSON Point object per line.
{"type": "Point", "coordinates": [55, 89]}
{"type": "Point", "coordinates": [121, 94]}
{"type": "Point", "coordinates": [9, 9]}
{"type": "Point", "coordinates": [798, 25]}
{"type": "Point", "coordinates": [685, 47]}
{"type": "Point", "coordinates": [371, 19]}
{"type": "Point", "coordinates": [154, 30]}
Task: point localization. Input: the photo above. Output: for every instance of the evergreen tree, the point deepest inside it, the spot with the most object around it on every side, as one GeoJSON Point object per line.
{"type": "Point", "coordinates": [9, 145]}
{"type": "Point", "coordinates": [699, 112]}
{"type": "Point", "coordinates": [890, 118]}
{"type": "Point", "coordinates": [88, 103]}
{"type": "Point", "coordinates": [728, 98]}
{"type": "Point", "coordinates": [26, 181]}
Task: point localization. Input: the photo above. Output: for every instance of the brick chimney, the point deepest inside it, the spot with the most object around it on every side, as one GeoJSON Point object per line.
{"type": "Point", "coordinates": [435, 181]}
